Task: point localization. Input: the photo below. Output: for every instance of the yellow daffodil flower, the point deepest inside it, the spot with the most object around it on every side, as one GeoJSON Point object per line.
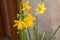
{"type": "Point", "coordinates": [41, 9]}
{"type": "Point", "coordinates": [29, 21]}
{"type": "Point", "coordinates": [29, 15]}
{"type": "Point", "coordinates": [25, 23]}
{"type": "Point", "coordinates": [26, 6]}
{"type": "Point", "coordinates": [18, 24]}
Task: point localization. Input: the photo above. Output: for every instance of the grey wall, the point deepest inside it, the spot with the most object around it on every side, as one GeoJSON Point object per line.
{"type": "Point", "coordinates": [55, 16]}
{"type": "Point", "coordinates": [49, 21]}
{"type": "Point", "coordinates": [44, 21]}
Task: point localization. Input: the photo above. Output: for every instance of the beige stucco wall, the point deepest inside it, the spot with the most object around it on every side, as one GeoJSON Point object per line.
{"type": "Point", "coordinates": [49, 21]}
{"type": "Point", "coordinates": [55, 16]}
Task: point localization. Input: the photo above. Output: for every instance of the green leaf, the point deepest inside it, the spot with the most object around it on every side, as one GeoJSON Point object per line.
{"type": "Point", "coordinates": [43, 36]}
{"type": "Point", "coordinates": [53, 35]}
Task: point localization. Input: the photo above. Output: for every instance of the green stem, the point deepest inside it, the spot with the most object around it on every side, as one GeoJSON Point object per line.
{"type": "Point", "coordinates": [55, 33]}
{"type": "Point", "coordinates": [37, 23]}
{"type": "Point", "coordinates": [20, 10]}
{"type": "Point", "coordinates": [21, 32]}
{"type": "Point", "coordinates": [37, 27]}
{"type": "Point", "coordinates": [25, 36]}
{"type": "Point", "coordinates": [46, 36]}
{"type": "Point", "coordinates": [35, 33]}
{"type": "Point", "coordinates": [29, 34]}
{"type": "Point", "coordinates": [35, 30]}
{"type": "Point", "coordinates": [20, 35]}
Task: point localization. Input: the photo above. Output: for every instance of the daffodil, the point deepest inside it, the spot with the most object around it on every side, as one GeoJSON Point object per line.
{"type": "Point", "coordinates": [29, 15]}
{"type": "Point", "coordinates": [29, 21]}
{"type": "Point", "coordinates": [26, 6]}
{"type": "Point", "coordinates": [18, 24]}
{"type": "Point", "coordinates": [41, 9]}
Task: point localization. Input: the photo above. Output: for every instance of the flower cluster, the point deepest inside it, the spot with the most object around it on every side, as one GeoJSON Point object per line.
{"type": "Point", "coordinates": [28, 20]}
{"type": "Point", "coordinates": [25, 23]}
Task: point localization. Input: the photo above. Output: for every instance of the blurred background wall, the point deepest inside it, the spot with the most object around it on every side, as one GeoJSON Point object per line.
{"type": "Point", "coordinates": [55, 16]}
{"type": "Point", "coordinates": [50, 20]}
